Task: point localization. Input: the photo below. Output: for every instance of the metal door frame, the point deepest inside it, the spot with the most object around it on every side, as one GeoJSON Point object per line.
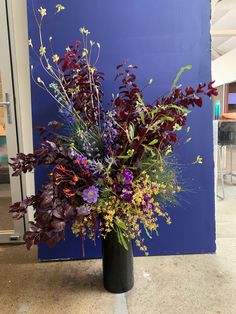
{"type": "Point", "coordinates": [13, 30]}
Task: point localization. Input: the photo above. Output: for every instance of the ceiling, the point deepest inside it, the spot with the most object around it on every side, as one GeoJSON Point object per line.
{"type": "Point", "coordinates": [223, 27]}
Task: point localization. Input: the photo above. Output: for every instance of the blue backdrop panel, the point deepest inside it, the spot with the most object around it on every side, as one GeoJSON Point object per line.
{"type": "Point", "coordinates": [160, 37]}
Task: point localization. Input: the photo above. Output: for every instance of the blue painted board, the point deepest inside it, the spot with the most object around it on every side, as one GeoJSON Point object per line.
{"type": "Point", "coordinates": [160, 37]}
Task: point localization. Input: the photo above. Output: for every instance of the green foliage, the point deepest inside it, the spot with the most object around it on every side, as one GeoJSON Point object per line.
{"type": "Point", "coordinates": [121, 238]}
{"type": "Point", "coordinates": [199, 160]}
{"type": "Point", "coordinates": [182, 69]}
{"type": "Point", "coordinates": [153, 142]}
{"type": "Point", "coordinates": [120, 224]}
{"type": "Point", "coordinates": [147, 233]}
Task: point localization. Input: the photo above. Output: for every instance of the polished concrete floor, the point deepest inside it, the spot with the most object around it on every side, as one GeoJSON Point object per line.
{"type": "Point", "coordinates": [190, 284]}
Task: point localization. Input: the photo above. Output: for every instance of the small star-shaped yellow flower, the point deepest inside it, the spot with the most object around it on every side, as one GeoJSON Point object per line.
{"type": "Point", "coordinates": [49, 67]}
{"type": "Point", "coordinates": [42, 51]}
{"type": "Point", "coordinates": [82, 29]}
{"type": "Point", "coordinates": [55, 58]}
{"type": "Point", "coordinates": [30, 43]}
{"type": "Point", "coordinates": [59, 8]}
{"type": "Point", "coordinates": [42, 11]}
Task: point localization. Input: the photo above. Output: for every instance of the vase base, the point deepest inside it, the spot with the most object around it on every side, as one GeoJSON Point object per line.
{"type": "Point", "coordinates": [118, 274]}
{"type": "Point", "coordinates": [117, 290]}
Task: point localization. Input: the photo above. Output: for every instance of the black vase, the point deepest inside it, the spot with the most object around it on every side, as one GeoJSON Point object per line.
{"type": "Point", "coordinates": [118, 274]}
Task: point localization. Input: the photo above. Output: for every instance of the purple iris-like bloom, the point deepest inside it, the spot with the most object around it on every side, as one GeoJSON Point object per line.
{"type": "Point", "coordinates": [83, 210]}
{"type": "Point", "coordinates": [91, 194]}
{"type": "Point", "coordinates": [127, 175]}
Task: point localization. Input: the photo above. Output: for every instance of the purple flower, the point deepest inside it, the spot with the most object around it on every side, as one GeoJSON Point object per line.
{"type": "Point", "coordinates": [154, 186]}
{"type": "Point", "coordinates": [83, 210]}
{"type": "Point", "coordinates": [67, 114]}
{"type": "Point", "coordinates": [73, 154]}
{"type": "Point", "coordinates": [90, 194]}
{"type": "Point", "coordinates": [97, 167]}
{"type": "Point", "coordinates": [78, 159]}
{"type": "Point", "coordinates": [110, 131]}
{"type": "Point", "coordinates": [148, 205]}
{"type": "Point", "coordinates": [117, 188]}
{"type": "Point", "coordinates": [128, 196]}
{"type": "Point", "coordinates": [127, 175]}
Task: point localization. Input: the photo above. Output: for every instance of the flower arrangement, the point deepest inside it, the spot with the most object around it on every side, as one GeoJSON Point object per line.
{"type": "Point", "coordinates": [109, 169]}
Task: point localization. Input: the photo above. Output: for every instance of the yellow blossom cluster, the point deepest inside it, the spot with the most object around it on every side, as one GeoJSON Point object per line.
{"type": "Point", "coordinates": [85, 226]}
{"type": "Point", "coordinates": [125, 217]}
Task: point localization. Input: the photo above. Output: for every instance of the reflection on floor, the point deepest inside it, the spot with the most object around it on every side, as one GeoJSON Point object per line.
{"type": "Point", "coordinates": [228, 158]}
{"type": "Point", "coordinates": [6, 222]}
{"type": "Point", "coordinates": [190, 284]}
{"type": "Point", "coordinates": [5, 190]}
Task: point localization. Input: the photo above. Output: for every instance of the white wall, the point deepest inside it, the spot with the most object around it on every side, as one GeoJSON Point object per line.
{"type": "Point", "coordinates": [224, 68]}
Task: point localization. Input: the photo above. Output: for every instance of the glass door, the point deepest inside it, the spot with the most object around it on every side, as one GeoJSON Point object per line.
{"type": "Point", "coordinates": [10, 187]}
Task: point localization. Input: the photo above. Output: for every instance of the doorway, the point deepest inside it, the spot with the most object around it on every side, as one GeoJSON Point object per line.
{"type": "Point", "coordinates": [15, 110]}
{"type": "Point", "coordinates": [6, 222]}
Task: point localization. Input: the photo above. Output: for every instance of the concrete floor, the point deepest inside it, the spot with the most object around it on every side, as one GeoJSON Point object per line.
{"type": "Point", "coordinates": [190, 284]}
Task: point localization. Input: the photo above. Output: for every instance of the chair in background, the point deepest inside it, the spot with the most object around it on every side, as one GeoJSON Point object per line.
{"type": "Point", "coordinates": [226, 138]}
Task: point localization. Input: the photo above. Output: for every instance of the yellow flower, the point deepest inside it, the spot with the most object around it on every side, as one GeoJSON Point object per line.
{"type": "Point", "coordinates": [55, 58]}
{"type": "Point", "coordinates": [82, 29]}
{"type": "Point", "coordinates": [30, 43]}
{"type": "Point", "coordinates": [42, 11]}
{"type": "Point", "coordinates": [68, 49]}
{"type": "Point", "coordinates": [177, 127]}
{"type": "Point", "coordinates": [59, 8]}
{"type": "Point", "coordinates": [178, 188]}
{"type": "Point", "coordinates": [49, 67]}
{"type": "Point", "coordinates": [85, 52]}
{"type": "Point", "coordinates": [85, 31]}
{"type": "Point", "coordinates": [91, 70]}
{"type": "Point", "coordinates": [75, 228]}
{"type": "Point", "coordinates": [198, 160]}
{"type": "Point", "coordinates": [42, 51]}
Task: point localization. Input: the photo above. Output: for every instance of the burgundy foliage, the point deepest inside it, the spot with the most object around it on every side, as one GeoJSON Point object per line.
{"type": "Point", "coordinates": [85, 99]}
{"type": "Point", "coordinates": [57, 201]}
{"type": "Point", "coordinates": [53, 205]}
{"type": "Point", "coordinates": [168, 110]}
